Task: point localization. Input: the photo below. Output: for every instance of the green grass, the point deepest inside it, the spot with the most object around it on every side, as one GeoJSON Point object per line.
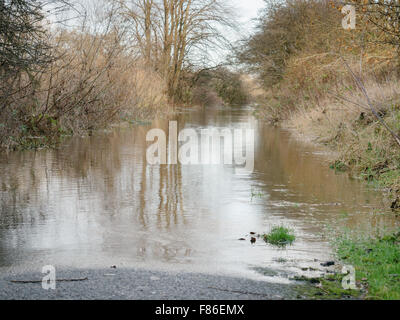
{"type": "Point", "coordinates": [280, 236]}
{"type": "Point", "coordinates": [377, 263]}
{"type": "Point", "coordinates": [325, 288]}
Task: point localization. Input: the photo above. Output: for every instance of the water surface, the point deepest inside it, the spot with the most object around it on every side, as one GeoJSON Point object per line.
{"type": "Point", "coordinates": [96, 202]}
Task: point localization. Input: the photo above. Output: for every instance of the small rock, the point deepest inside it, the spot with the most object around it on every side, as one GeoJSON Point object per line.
{"type": "Point", "coordinates": [242, 239]}
{"type": "Point", "coordinates": [328, 264]}
{"type": "Point", "coordinates": [113, 267]}
{"type": "Point", "coordinates": [314, 280]}
{"type": "Point", "coordinates": [304, 269]}
{"type": "Point", "coordinates": [252, 233]}
{"type": "Point", "coordinates": [253, 240]}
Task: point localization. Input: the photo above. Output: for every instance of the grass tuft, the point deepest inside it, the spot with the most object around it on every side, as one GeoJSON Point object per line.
{"type": "Point", "coordinates": [280, 236]}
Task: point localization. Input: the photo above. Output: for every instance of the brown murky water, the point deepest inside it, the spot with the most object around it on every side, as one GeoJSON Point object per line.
{"type": "Point", "coordinates": [96, 203]}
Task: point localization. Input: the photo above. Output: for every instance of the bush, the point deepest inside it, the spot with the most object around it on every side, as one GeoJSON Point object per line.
{"type": "Point", "coordinates": [92, 83]}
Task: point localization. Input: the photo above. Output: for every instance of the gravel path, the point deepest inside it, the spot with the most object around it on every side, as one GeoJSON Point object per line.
{"type": "Point", "coordinates": [135, 284]}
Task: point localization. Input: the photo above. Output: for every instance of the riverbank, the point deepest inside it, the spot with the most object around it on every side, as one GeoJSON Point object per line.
{"type": "Point", "coordinates": [364, 149]}
{"type": "Point", "coordinates": [338, 87]}
{"type": "Point", "coordinates": [362, 146]}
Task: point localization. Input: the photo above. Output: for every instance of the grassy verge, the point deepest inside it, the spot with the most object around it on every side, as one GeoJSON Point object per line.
{"type": "Point", "coordinates": [376, 261]}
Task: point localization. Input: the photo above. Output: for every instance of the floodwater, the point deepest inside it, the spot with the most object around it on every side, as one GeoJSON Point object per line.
{"type": "Point", "coordinates": [96, 202]}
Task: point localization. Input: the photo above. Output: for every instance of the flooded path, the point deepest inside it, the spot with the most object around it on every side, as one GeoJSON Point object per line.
{"type": "Point", "coordinates": [96, 203]}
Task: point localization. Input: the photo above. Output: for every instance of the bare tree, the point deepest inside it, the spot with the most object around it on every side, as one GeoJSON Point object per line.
{"type": "Point", "coordinates": [172, 33]}
{"type": "Point", "coordinates": [24, 43]}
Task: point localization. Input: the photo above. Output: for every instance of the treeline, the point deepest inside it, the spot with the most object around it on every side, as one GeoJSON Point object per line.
{"type": "Point", "coordinates": [300, 47]}
{"type": "Point", "coordinates": [72, 67]}
{"type": "Point", "coordinates": [177, 39]}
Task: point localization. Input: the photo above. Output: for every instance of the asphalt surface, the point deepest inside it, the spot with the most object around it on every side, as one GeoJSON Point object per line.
{"type": "Point", "coordinates": [135, 284]}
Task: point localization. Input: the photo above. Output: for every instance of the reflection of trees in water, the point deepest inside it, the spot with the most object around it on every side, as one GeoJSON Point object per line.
{"type": "Point", "coordinates": [19, 188]}
{"type": "Point", "coordinates": [29, 179]}
{"type": "Point", "coordinates": [290, 164]}
{"type": "Point", "coordinates": [165, 181]}
{"type": "Point", "coordinates": [295, 166]}
{"type": "Point", "coordinates": [110, 168]}
{"type": "Point", "coordinates": [99, 185]}
{"type": "Point", "coordinates": [170, 196]}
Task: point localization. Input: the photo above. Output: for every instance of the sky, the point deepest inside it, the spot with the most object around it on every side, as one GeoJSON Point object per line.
{"type": "Point", "coordinates": [248, 9]}
{"type": "Point", "coordinates": [245, 11]}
